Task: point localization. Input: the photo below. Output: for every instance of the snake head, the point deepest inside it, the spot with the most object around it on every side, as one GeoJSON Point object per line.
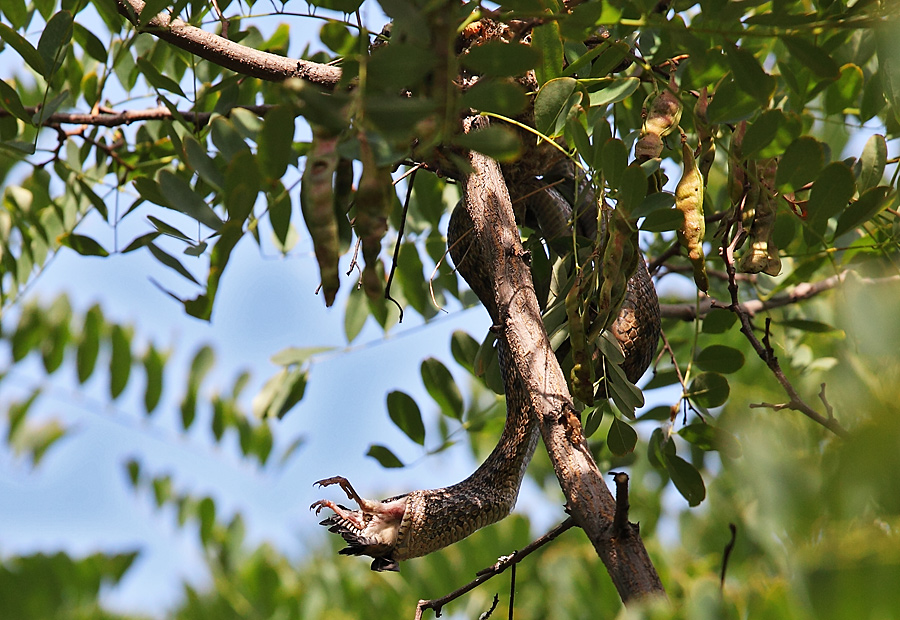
{"type": "Point", "coordinates": [371, 530]}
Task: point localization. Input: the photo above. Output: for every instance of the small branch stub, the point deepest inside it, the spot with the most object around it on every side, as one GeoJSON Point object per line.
{"type": "Point", "coordinates": [621, 526]}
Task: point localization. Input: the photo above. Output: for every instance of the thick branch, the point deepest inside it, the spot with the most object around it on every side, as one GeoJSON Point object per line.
{"type": "Point", "coordinates": [589, 501]}
{"type": "Point", "coordinates": [219, 50]}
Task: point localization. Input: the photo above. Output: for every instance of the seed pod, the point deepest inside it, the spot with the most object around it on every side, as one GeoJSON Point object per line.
{"type": "Point", "coordinates": [619, 261]}
{"type": "Point", "coordinates": [689, 200]}
{"type": "Point", "coordinates": [663, 113]}
{"type": "Point", "coordinates": [374, 201]}
{"type": "Point", "coordinates": [762, 255]}
{"type": "Point", "coordinates": [317, 205]}
{"type": "Point", "coordinates": [705, 133]}
{"type": "Point", "coordinates": [581, 376]}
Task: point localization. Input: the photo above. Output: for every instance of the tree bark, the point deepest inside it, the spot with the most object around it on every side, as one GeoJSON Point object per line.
{"type": "Point", "coordinates": [589, 500]}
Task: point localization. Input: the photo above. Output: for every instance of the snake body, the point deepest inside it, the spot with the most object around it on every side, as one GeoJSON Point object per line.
{"type": "Point", "coordinates": [423, 521]}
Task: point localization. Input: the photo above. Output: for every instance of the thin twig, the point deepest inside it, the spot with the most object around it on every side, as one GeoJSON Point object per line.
{"type": "Point", "coordinates": [620, 519]}
{"type": "Point", "coordinates": [727, 553]}
{"type": "Point", "coordinates": [491, 571]}
{"type": "Point", "coordinates": [400, 230]}
{"type": "Point", "coordinates": [764, 349]}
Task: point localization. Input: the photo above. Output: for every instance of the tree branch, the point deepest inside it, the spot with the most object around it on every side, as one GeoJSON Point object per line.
{"type": "Point", "coordinates": [801, 292]}
{"type": "Point", "coordinates": [495, 569]}
{"type": "Point", "coordinates": [764, 349]}
{"type": "Point", "coordinates": [518, 315]}
{"type": "Point", "coordinates": [126, 117]}
{"type": "Point", "coordinates": [225, 53]}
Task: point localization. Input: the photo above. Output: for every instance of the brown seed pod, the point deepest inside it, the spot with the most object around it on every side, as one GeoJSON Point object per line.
{"type": "Point", "coordinates": [317, 205]}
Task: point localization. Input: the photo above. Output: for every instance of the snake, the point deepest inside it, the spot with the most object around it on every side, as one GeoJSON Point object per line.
{"type": "Point", "coordinates": [423, 521]}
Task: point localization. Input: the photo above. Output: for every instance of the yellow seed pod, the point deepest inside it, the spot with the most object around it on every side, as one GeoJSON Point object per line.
{"type": "Point", "coordinates": [317, 205]}
{"type": "Point", "coordinates": [689, 200]}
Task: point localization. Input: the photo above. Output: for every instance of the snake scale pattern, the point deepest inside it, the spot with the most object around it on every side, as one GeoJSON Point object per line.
{"type": "Point", "coordinates": [417, 523]}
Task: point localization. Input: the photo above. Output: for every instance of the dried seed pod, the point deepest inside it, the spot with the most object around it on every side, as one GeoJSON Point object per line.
{"type": "Point", "coordinates": [705, 133]}
{"type": "Point", "coordinates": [619, 262]}
{"type": "Point", "coordinates": [663, 113]}
{"type": "Point", "coordinates": [689, 200]}
{"type": "Point", "coordinates": [374, 201]}
{"type": "Point", "coordinates": [762, 255]}
{"type": "Point", "coordinates": [317, 205]}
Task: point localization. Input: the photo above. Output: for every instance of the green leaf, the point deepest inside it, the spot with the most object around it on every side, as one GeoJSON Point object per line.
{"type": "Point", "coordinates": [869, 168]}
{"type": "Point", "coordinates": [554, 102]}
{"type": "Point", "coordinates": [89, 346]}
{"type": "Point", "coordinates": [206, 511]}
{"type": "Point", "coordinates": [888, 51]}
{"type": "Point", "coordinates": [180, 196]}
{"type": "Point", "coordinates": [280, 208]}
{"type": "Point", "coordinates": [152, 8]}
{"type": "Point", "coordinates": [498, 142]}
{"type": "Point", "coordinates": [869, 204]}
{"type": "Point", "coordinates": [814, 327]}
{"type": "Point", "coordinates": [170, 261]}
{"type": "Point", "coordinates": [709, 389]}
{"type": "Point", "coordinates": [709, 437]}
{"type": "Point", "coordinates": [156, 79]}
{"type": "Point", "coordinates": [10, 101]}
{"type": "Point", "coordinates": [720, 358]}
{"type": "Point", "coordinates": [500, 59]}
{"type": "Point", "coordinates": [595, 418]}
{"type": "Point", "coordinates": [355, 314]}
{"type": "Point", "coordinates": [134, 472]}
{"type": "Point", "coordinates": [57, 34]}
{"type": "Point", "coordinates": [843, 94]}
{"type": "Point", "coordinates": [731, 104]}
{"type": "Point", "coordinates": [464, 349]}
{"type": "Point", "coordinates": [442, 388]}
{"type": "Point", "coordinates": [384, 456]}
{"type": "Point", "coordinates": [502, 97]}
{"type": "Point", "coordinates": [812, 56]}
{"type": "Point", "coordinates": [16, 12]}
{"type": "Point", "coordinates": [801, 163]}
{"type": "Point", "coordinates": [768, 136]}
{"type": "Point", "coordinates": [400, 66]}
{"type": "Point", "coordinates": [297, 355]}
{"type": "Point", "coordinates": [687, 479]}
{"type": "Point", "coordinates": [614, 157]}
{"type": "Point", "coordinates": [280, 393]}
{"type": "Point", "coordinates": [30, 332]}
{"type": "Point", "coordinates": [663, 220]}
{"type": "Point", "coordinates": [405, 414]}
{"type": "Point", "coordinates": [276, 139]}
{"type": "Point", "coordinates": [750, 76]}
{"type": "Point", "coordinates": [200, 366]}
{"type": "Point", "coordinates": [120, 360]}
{"type": "Point", "coordinates": [162, 490]}
{"type": "Point", "coordinates": [830, 194]}
{"type": "Point", "coordinates": [548, 41]}
{"type": "Point", "coordinates": [154, 362]}
{"type": "Point", "coordinates": [242, 184]}
{"type": "Point", "coordinates": [632, 189]}
{"type": "Point", "coordinates": [613, 91]}
{"type": "Point", "coordinates": [83, 245]}
{"type": "Point", "coordinates": [90, 43]}
{"type": "Point", "coordinates": [27, 51]}
{"type": "Point", "coordinates": [621, 438]}
{"type": "Point", "coordinates": [199, 160]}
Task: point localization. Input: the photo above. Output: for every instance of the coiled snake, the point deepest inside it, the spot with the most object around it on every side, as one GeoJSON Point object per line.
{"type": "Point", "coordinates": [417, 523]}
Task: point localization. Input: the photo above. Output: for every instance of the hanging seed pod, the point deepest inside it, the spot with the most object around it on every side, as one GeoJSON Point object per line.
{"type": "Point", "coordinates": [374, 200]}
{"type": "Point", "coordinates": [317, 202]}
{"type": "Point", "coordinates": [581, 374]}
{"type": "Point", "coordinates": [619, 262]}
{"type": "Point", "coordinates": [762, 255]}
{"type": "Point", "coordinates": [705, 133]}
{"type": "Point", "coordinates": [661, 114]}
{"type": "Point", "coordinates": [689, 200]}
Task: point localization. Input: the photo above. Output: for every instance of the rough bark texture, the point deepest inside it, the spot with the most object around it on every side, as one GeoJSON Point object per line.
{"type": "Point", "coordinates": [589, 500]}
{"type": "Point", "coordinates": [228, 54]}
